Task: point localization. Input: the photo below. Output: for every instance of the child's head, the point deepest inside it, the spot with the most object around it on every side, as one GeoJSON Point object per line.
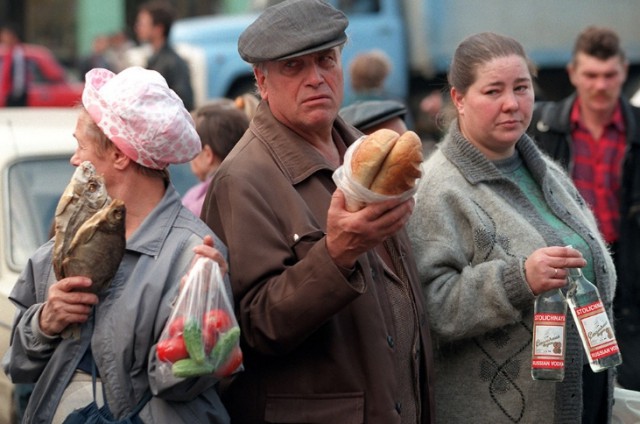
{"type": "Point", "coordinates": [219, 125]}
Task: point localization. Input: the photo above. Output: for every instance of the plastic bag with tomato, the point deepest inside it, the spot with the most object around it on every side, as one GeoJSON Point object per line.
{"type": "Point", "coordinates": [202, 336]}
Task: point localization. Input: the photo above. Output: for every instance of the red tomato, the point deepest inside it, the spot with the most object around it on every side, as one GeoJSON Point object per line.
{"type": "Point", "coordinates": [176, 326]}
{"type": "Point", "coordinates": [232, 364]}
{"type": "Point", "coordinates": [214, 322]}
{"type": "Point", "coordinates": [172, 349]}
{"type": "Point", "coordinates": [216, 319]}
{"type": "Point", "coordinates": [209, 338]}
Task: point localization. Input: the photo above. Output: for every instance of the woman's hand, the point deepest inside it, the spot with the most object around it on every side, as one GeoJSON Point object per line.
{"type": "Point", "coordinates": [545, 269]}
{"type": "Point", "coordinates": [208, 250]}
{"type": "Point", "coordinates": [66, 305]}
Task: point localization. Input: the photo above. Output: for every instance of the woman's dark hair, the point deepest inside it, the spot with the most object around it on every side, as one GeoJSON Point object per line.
{"type": "Point", "coordinates": [477, 50]}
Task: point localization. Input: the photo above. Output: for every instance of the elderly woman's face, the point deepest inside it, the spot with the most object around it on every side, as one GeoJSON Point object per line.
{"type": "Point", "coordinates": [304, 93]}
{"type": "Point", "coordinates": [87, 148]}
{"type": "Point", "coordinates": [496, 109]}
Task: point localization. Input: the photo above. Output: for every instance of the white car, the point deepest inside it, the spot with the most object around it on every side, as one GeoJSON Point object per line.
{"type": "Point", "coordinates": [35, 147]}
{"type": "Point", "coordinates": [635, 99]}
{"type": "Point", "coordinates": [34, 169]}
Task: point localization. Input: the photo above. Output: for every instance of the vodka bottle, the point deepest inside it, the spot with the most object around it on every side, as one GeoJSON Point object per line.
{"type": "Point", "coordinates": [593, 323]}
{"type": "Point", "coordinates": [547, 359]}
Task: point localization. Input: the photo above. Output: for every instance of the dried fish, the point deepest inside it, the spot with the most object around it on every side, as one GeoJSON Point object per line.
{"type": "Point", "coordinates": [98, 247]}
{"type": "Point", "coordinates": [84, 195]}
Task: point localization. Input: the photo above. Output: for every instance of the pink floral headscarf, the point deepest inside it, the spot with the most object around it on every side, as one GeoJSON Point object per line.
{"type": "Point", "coordinates": [141, 115]}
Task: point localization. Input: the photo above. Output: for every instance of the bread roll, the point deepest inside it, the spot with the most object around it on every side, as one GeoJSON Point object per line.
{"type": "Point", "coordinates": [370, 154]}
{"type": "Point", "coordinates": [401, 167]}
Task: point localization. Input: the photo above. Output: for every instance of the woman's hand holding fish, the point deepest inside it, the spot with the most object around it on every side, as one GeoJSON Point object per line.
{"type": "Point", "coordinates": [66, 305]}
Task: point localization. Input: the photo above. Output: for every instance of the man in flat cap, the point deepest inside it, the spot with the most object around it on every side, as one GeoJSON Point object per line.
{"type": "Point", "coordinates": [371, 115]}
{"type": "Point", "coordinates": [333, 325]}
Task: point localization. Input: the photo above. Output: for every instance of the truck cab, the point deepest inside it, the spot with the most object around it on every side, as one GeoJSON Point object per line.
{"type": "Point", "coordinates": [213, 40]}
{"type": "Point", "coordinates": [420, 37]}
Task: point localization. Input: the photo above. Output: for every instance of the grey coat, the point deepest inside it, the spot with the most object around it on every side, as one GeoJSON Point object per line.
{"type": "Point", "coordinates": [471, 231]}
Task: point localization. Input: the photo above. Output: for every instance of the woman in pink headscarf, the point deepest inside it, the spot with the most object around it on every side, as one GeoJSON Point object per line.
{"type": "Point", "coordinates": [131, 127]}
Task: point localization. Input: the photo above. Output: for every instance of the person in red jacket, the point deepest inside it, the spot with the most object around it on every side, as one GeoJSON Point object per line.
{"type": "Point", "coordinates": [13, 75]}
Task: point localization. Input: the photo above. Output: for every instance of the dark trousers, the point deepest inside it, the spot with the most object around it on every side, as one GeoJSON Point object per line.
{"type": "Point", "coordinates": [15, 101]}
{"type": "Point", "coordinates": [594, 396]}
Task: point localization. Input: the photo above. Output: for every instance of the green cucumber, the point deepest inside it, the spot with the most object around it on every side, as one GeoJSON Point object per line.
{"type": "Point", "coordinates": [192, 334]}
{"type": "Point", "coordinates": [185, 368]}
{"type": "Point", "coordinates": [226, 342]}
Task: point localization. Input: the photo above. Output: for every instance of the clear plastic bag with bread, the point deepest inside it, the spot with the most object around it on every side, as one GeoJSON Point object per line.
{"type": "Point", "coordinates": [380, 166]}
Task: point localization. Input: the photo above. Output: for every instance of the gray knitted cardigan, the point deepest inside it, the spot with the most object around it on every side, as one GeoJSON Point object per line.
{"type": "Point", "coordinates": [472, 229]}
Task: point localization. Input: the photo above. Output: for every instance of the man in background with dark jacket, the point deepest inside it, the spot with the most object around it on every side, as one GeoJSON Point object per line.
{"type": "Point", "coordinates": [595, 135]}
{"type": "Point", "coordinates": [153, 24]}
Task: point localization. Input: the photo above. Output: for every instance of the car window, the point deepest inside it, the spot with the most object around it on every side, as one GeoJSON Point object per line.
{"type": "Point", "coordinates": [34, 188]}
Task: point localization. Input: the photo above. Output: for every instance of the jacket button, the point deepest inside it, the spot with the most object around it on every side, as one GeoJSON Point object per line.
{"type": "Point", "coordinates": [542, 127]}
{"type": "Point", "coordinates": [390, 341]}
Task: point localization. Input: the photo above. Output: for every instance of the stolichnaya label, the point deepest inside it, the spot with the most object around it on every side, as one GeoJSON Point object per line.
{"type": "Point", "coordinates": [548, 339]}
{"type": "Point", "coordinates": [595, 325]}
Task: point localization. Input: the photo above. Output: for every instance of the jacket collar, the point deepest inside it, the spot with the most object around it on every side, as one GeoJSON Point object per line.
{"type": "Point", "coordinates": [558, 119]}
{"type": "Point", "coordinates": [154, 230]}
{"type": "Point", "coordinates": [475, 166]}
{"type": "Point", "coordinates": [294, 155]}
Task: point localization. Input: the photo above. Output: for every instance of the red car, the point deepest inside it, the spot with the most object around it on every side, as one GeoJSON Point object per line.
{"type": "Point", "coordinates": [48, 83]}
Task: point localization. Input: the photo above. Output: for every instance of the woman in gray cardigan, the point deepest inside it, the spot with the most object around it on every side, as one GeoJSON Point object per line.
{"type": "Point", "coordinates": [492, 214]}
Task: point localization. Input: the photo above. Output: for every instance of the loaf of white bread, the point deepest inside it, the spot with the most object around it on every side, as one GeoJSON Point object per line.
{"type": "Point", "coordinates": [387, 163]}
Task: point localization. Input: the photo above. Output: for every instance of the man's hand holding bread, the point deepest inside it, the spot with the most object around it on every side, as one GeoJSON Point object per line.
{"type": "Point", "coordinates": [376, 182]}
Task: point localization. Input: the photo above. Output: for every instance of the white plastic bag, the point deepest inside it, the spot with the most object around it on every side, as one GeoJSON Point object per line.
{"type": "Point", "coordinates": [626, 409]}
{"type": "Point", "coordinates": [357, 196]}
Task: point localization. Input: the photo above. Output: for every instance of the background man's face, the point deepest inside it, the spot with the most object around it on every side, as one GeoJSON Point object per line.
{"type": "Point", "coordinates": [598, 82]}
{"type": "Point", "coordinates": [144, 26]}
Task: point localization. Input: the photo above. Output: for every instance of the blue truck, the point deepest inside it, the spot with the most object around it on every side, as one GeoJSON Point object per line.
{"type": "Point", "coordinates": [420, 37]}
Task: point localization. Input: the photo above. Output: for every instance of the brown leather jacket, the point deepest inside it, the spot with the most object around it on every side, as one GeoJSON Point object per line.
{"type": "Point", "coordinates": [318, 347]}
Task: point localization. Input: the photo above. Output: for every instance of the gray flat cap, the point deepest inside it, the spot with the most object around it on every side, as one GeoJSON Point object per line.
{"type": "Point", "coordinates": [369, 113]}
{"type": "Point", "coordinates": [292, 28]}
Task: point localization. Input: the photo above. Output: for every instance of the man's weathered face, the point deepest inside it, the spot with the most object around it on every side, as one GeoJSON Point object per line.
{"type": "Point", "coordinates": [304, 93]}
{"type": "Point", "coordinates": [598, 82]}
